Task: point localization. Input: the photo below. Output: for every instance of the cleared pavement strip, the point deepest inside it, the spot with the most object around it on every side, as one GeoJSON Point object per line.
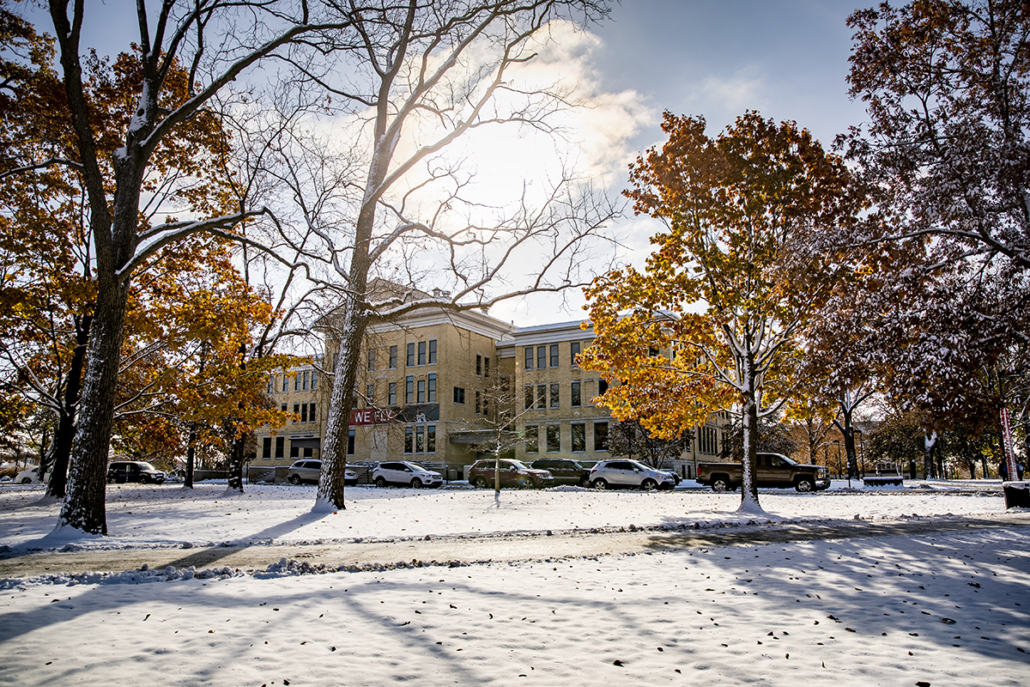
{"type": "Point", "coordinates": [512, 547]}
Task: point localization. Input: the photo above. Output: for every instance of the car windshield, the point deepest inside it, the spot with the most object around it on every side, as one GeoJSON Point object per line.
{"type": "Point", "coordinates": [148, 467]}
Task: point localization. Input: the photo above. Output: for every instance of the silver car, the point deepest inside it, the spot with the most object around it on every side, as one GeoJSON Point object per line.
{"type": "Point", "coordinates": [310, 470]}
{"type": "Point", "coordinates": [628, 473]}
{"type": "Point", "coordinates": [405, 473]}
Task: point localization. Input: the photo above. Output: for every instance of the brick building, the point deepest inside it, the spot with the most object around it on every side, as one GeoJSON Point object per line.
{"type": "Point", "coordinates": [434, 387]}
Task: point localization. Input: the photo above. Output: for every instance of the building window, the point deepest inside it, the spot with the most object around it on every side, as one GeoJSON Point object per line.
{"type": "Point", "coordinates": [409, 389]}
{"type": "Point", "coordinates": [553, 438]}
{"type": "Point", "coordinates": [479, 365]}
{"type": "Point", "coordinates": [529, 396]}
{"type": "Point", "coordinates": [431, 394]}
{"type": "Point", "coordinates": [574, 353]}
{"type": "Point", "coordinates": [555, 394]}
{"type": "Point", "coordinates": [391, 398]}
{"type": "Point", "coordinates": [541, 396]}
{"type": "Point", "coordinates": [296, 410]}
{"type": "Point", "coordinates": [432, 351]}
{"type": "Point", "coordinates": [283, 407]}
{"type": "Point", "coordinates": [602, 386]}
{"type": "Point", "coordinates": [350, 442]}
{"type": "Point", "coordinates": [371, 359]}
{"type": "Point", "coordinates": [486, 367]}
{"type": "Point", "coordinates": [652, 352]}
{"type": "Point", "coordinates": [280, 445]}
{"type": "Point", "coordinates": [532, 439]}
{"type": "Point", "coordinates": [459, 395]}
{"type": "Point", "coordinates": [554, 355]}
{"type": "Point", "coordinates": [271, 383]}
{"type": "Point", "coordinates": [393, 357]}
{"type": "Point", "coordinates": [431, 439]}
{"type": "Point", "coordinates": [576, 398]}
{"type": "Point", "coordinates": [421, 391]}
{"type": "Point", "coordinates": [479, 402]}
{"type": "Point", "coordinates": [314, 380]}
{"type": "Point", "coordinates": [370, 394]}
{"type": "Point", "coordinates": [529, 357]}
{"type": "Point", "coordinates": [410, 361]}
{"type": "Point", "coordinates": [600, 436]}
{"type": "Point", "coordinates": [294, 451]}
{"type": "Point", "coordinates": [541, 357]}
{"type": "Point", "coordinates": [708, 441]}
{"type": "Point", "coordinates": [296, 382]}
{"type": "Point", "coordinates": [420, 439]}
{"type": "Point", "coordinates": [307, 379]}
{"type": "Point", "coordinates": [304, 412]}
{"type": "Point", "coordinates": [579, 437]}
{"type": "Point", "coordinates": [408, 439]}
{"type": "Point", "coordinates": [286, 383]}
{"type": "Point", "coordinates": [266, 448]}
{"type": "Point", "coordinates": [421, 352]}
{"type": "Point", "coordinates": [311, 412]}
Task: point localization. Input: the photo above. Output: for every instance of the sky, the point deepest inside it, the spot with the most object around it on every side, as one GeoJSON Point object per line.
{"type": "Point", "coordinates": [786, 59]}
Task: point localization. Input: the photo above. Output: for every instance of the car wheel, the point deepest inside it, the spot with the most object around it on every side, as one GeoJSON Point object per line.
{"type": "Point", "coordinates": [585, 481]}
{"type": "Point", "coordinates": [805, 485]}
{"type": "Point", "coordinates": [648, 484]}
{"type": "Point", "coordinates": [295, 479]}
{"type": "Point", "coordinates": [601, 484]}
{"type": "Point", "coordinates": [480, 482]}
{"type": "Point", "coordinates": [26, 480]}
{"type": "Point", "coordinates": [143, 479]}
{"type": "Point", "coordinates": [380, 481]}
{"type": "Point", "coordinates": [523, 483]}
{"type": "Point", "coordinates": [720, 484]}
{"type": "Point", "coordinates": [416, 483]}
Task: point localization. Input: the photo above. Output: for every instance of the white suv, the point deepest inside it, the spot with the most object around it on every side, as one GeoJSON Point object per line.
{"type": "Point", "coordinates": [628, 473]}
{"type": "Point", "coordinates": [405, 473]}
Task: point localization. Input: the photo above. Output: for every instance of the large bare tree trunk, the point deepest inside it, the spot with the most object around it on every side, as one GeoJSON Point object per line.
{"type": "Point", "coordinates": [65, 433]}
{"type": "Point", "coordinates": [84, 507]}
{"type": "Point", "coordinates": [749, 421]}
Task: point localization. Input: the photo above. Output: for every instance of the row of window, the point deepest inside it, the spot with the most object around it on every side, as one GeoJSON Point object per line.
{"type": "Point", "coordinates": [707, 441]}
{"type": "Point", "coordinates": [420, 439]}
{"type": "Point", "coordinates": [306, 411]}
{"type": "Point", "coordinates": [536, 395]}
{"type": "Point", "coordinates": [295, 451]}
{"type": "Point", "coordinates": [306, 380]}
{"type": "Point", "coordinates": [552, 437]}
{"type": "Point", "coordinates": [547, 356]}
{"type": "Point", "coordinates": [417, 353]}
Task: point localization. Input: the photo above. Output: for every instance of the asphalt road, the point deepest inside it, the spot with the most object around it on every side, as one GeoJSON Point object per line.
{"type": "Point", "coordinates": [446, 550]}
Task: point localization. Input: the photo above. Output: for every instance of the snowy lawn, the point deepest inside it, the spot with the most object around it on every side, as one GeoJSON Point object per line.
{"type": "Point", "coordinates": [169, 515]}
{"type": "Point", "coordinates": [931, 609]}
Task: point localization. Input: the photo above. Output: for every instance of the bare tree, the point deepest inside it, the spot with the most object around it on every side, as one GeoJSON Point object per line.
{"type": "Point", "coordinates": [216, 41]}
{"type": "Point", "coordinates": [395, 200]}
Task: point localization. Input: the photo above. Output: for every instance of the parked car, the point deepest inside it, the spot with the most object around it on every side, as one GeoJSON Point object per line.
{"type": "Point", "coordinates": [564, 470]}
{"type": "Point", "coordinates": [628, 473]}
{"type": "Point", "coordinates": [676, 479]}
{"type": "Point", "coordinates": [30, 476]}
{"type": "Point", "coordinates": [513, 473]}
{"type": "Point", "coordinates": [309, 470]}
{"type": "Point", "coordinates": [122, 471]}
{"type": "Point", "coordinates": [773, 470]}
{"type": "Point", "coordinates": [405, 473]}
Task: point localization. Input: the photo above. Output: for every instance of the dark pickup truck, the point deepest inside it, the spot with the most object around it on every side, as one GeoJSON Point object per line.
{"type": "Point", "coordinates": [774, 471]}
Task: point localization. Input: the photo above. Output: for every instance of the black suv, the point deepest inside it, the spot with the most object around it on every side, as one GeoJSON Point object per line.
{"type": "Point", "coordinates": [564, 470]}
{"type": "Point", "coordinates": [134, 471]}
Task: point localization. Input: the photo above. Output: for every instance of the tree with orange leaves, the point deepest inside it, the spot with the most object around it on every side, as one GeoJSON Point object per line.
{"type": "Point", "coordinates": [746, 262]}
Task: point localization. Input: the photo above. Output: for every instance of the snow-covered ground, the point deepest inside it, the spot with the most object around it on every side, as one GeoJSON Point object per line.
{"type": "Point", "coordinates": [942, 609]}
{"type": "Point", "coordinates": [170, 515]}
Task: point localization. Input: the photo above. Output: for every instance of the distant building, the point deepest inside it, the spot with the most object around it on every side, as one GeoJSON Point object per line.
{"type": "Point", "coordinates": [436, 386]}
